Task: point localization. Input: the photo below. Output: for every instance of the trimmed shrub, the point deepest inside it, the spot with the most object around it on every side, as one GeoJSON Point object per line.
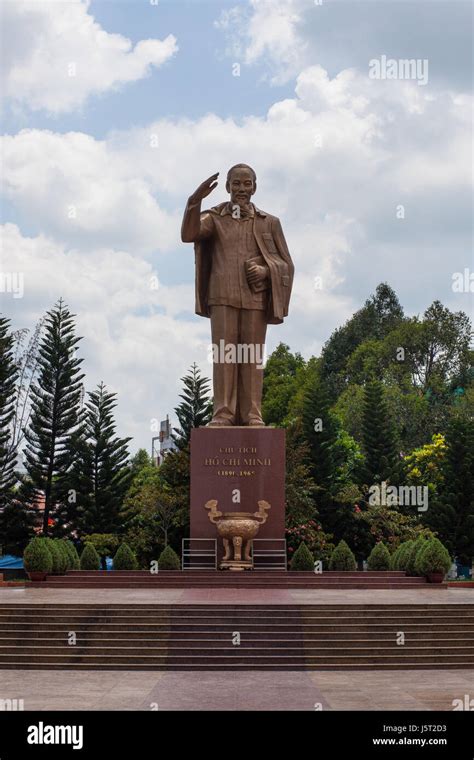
{"type": "Point", "coordinates": [125, 559]}
{"type": "Point", "coordinates": [37, 557]}
{"type": "Point", "coordinates": [90, 560]}
{"type": "Point", "coordinates": [342, 558]}
{"type": "Point", "coordinates": [302, 558]}
{"type": "Point", "coordinates": [58, 559]}
{"type": "Point", "coordinates": [418, 545]}
{"type": "Point", "coordinates": [433, 557]}
{"type": "Point", "coordinates": [64, 561]}
{"type": "Point", "coordinates": [405, 550]}
{"type": "Point", "coordinates": [74, 561]}
{"type": "Point", "coordinates": [169, 560]}
{"type": "Point", "coordinates": [395, 557]}
{"type": "Point", "coordinates": [379, 557]}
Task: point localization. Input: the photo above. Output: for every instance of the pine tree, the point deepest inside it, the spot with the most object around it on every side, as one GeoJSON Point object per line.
{"type": "Point", "coordinates": [100, 477]}
{"type": "Point", "coordinates": [8, 376]}
{"type": "Point", "coordinates": [382, 462]}
{"type": "Point", "coordinates": [320, 429]}
{"type": "Point", "coordinates": [195, 409]}
{"type": "Point", "coordinates": [452, 513]}
{"type": "Point", "coordinates": [55, 414]}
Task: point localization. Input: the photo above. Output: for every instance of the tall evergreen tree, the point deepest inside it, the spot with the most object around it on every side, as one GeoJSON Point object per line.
{"type": "Point", "coordinates": [452, 513]}
{"type": "Point", "coordinates": [195, 408]}
{"type": "Point", "coordinates": [320, 428]}
{"type": "Point", "coordinates": [100, 477]}
{"type": "Point", "coordinates": [8, 376]}
{"type": "Point", "coordinates": [382, 461]}
{"type": "Point", "coordinates": [55, 414]}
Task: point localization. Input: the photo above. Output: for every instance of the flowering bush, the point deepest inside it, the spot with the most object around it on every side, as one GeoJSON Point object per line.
{"type": "Point", "coordinates": [311, 534]}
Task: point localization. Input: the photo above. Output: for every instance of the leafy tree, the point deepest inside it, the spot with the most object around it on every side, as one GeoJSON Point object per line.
{"type": "Point", "coordinates": [55, 414]}
{"type": "Point", "coordinates": [105, 545]}
{"type": "Point", "coordinates": [424, 465]}
{"type": "Point", "coordinates": [280, 382]}
{"type": "Point", "coordinates": [195, 409]}
{"type": "Point", "coordinates": [140, 461]}
{"type": "Point", "coordinates": [300, 487]}
{"type": "Point", "coordinates": [451, 514]}
{"type": "Point", "coordinates": [99, 478]}
{"type": "Point", "coordinates": [379, 315]}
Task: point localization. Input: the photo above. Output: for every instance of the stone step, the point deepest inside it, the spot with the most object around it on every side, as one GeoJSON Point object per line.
{"type": "Point", "coordinates": [199, 637]}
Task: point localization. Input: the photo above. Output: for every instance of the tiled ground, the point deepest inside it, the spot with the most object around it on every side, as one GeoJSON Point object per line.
{"type": "Point", "coordinates": [339, 690]}
{"type": "Point", "coordinates": [428, 595]}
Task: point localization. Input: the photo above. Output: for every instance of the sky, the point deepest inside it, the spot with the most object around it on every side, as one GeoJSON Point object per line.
{"type": "Point", "coordinates": [113, 112]}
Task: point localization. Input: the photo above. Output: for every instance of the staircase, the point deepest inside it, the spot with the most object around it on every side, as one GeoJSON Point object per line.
{"type": "Point", "coordinates": [200, 637]}
{"type": "Point", "coordinates": [261, 579]}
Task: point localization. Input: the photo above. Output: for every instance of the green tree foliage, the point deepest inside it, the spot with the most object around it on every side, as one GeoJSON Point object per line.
{"type": "Point", "coordinates": [124, 558]}
{"type": "Point", "coordinates": [195, 408]}
{"type": "Point", "coordinates": [105, 545]}
{"type": "Point", "coordinates": [300, 488]}
{"type": "Point", "coordinates": [451, 513]}
{"type": "Point", "coordinates": [302, 559]}
{"type": "Point", "coordinates": [99, 478]}
{"type": "Point", "coordinates": [37, 557]}
{"type": "Point", "coordinates": [168, 560]}
{"type": "Point", "coordinates": [141, 460]}
{"type": "Point", "coordinates": [342, 558]}
{"type": "Point", "coordinates": [55, 414]}
{"type": "Point", "coordinates": [382, 461]}
{"type": "Point", "coordinates": [90, 560]}
{"type": "Point", "coordinates": [280, 383]}
{"type": "Point", "coordinates": [432, 558]}
{"type": "Point", "coordinates": [379, 315]}
{"type": "Point", "coordinates": [379, 557]}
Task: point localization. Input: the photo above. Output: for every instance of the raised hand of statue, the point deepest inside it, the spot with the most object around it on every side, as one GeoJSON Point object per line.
{"type": "Point", "coordinates": [204, 189]}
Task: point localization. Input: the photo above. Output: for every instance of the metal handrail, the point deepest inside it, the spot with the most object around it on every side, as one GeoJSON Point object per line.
{"type": "Point", "coordinates": [190, 553]}
{"type": "Point", "coordinates": [258, 552]}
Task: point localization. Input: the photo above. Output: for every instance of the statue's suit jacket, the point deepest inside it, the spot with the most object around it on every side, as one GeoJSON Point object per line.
{"type": "Point", "coordinates": [272, 245]}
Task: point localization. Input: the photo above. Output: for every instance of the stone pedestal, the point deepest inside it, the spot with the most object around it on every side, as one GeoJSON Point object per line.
{"type": "Point", "coordinates": [238, 467]}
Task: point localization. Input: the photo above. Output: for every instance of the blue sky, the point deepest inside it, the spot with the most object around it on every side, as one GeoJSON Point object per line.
{"type": "Point", "coordinates": [91, 211]}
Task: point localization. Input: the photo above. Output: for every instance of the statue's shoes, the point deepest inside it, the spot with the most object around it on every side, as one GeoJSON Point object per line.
{"type": "Point", "coordinates": [256, 423]}
{"type": "Point", "coordinates": [220, 422]}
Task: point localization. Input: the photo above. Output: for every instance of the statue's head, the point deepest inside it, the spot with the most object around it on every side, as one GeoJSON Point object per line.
{"type": "Point", "coordinates": [241, 184]}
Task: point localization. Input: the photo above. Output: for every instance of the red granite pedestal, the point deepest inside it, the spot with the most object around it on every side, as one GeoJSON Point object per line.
{"type": "Point", "coordinates": [230, 461]}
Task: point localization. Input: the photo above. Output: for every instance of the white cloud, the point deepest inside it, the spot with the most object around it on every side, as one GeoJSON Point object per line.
{"type": "Point", "coordinates": [333, 162]}
{"type": "Point", "coordinates": [133, 340]}
{"type": "Point", "coordinates": [56, 55]}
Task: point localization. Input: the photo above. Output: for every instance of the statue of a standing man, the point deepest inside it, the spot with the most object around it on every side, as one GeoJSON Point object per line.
{"type": "Point", "coordinates": [244, 275]}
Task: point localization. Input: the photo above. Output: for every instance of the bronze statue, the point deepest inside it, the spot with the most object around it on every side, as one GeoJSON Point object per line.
{"type": "Point", "coordinates": [244, 275]}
